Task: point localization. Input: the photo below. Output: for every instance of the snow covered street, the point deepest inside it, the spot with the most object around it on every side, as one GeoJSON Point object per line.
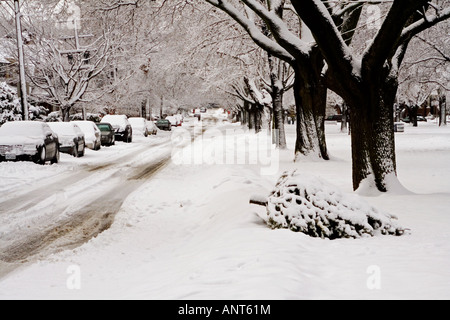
{"type": "Point", "coordinates": [48, 208]}
{"type": "Point", "coordinates": [187, 231]}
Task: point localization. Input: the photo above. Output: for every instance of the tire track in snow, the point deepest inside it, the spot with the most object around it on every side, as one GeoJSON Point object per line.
{"type": "Point", "coordinates": [83, 223]}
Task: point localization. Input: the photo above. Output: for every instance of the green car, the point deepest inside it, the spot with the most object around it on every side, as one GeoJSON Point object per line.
{"type": "Point", "coordinates": [164, 124]}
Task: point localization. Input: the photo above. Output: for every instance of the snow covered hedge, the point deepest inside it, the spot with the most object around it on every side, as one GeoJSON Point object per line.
{"type": "Point", "coordinates": [312, 206]}
{"type": "Point", "coordinates": [10, 108]}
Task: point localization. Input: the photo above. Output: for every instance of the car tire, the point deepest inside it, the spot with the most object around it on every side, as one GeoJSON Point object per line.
{"type": "Point", "coordinates": [75, 151]}
{"type": "Point", "coordinates": [57, 157]}
{"type": "Point", "coordinates": [41, 156]}
{"type": "Point", "coordinates": [81, 154]}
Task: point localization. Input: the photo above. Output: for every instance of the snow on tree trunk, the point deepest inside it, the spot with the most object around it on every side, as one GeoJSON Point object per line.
{"type": "Point", "coordinates": [442, 108]}
{"type": "Point", "coordinates": [65, 112]}
{"type": "Point", "coordinates": [310, 205]}
{"type": "Point", "coordinates": [373, 140]}
{"type": "Point", "coordinates": [277, 103]}
{"type": "Point", "coordinates": [310, 99]}
{"type": "Point", "coordinates": [278, 113]}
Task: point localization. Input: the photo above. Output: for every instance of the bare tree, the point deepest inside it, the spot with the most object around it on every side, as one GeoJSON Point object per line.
{"type": "Point", "coordinates": [368, 83]}
{"type": "Point", "coordinates": [65, 75]}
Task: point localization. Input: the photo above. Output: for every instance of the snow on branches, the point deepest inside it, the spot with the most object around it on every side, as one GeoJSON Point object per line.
{"type": "Point", "coordinates": [312, 206]}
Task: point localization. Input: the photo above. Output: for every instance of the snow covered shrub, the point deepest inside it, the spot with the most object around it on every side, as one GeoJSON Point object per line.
{"type": "Point", "coordinates": [54, 117]}
{"type": "Point", "coordinates": [10, 108]}
{"type": "Point", "coordinates": [37, 112]}
{"type": "Point", "coordinates": [94, 117]}
{"type": "Point", "coordinates": [310, 205]}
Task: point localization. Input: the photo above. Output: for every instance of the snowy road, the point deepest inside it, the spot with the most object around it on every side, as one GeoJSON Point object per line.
{"type": "Point", "coordinates": [75, 202]}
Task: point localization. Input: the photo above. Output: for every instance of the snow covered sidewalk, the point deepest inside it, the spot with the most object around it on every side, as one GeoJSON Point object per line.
{"type": "Point", "coordinates": [190, 233]}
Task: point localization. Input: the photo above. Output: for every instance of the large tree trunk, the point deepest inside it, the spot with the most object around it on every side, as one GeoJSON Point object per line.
{"type": "Point", "coordinates": [251, 117]}
{"type": "Point", "coordinates": [310, 99]}
{"type": "Point", "coordinates": [278, 113]}
{"type": "Point", "coordinates": [373, 140]}
{"type": "Point", "coordinates": [277, 103]}
{"type": "Point", "coordinates": [65, 112]}
{"type": "Point", "coordinates": [442, 108]}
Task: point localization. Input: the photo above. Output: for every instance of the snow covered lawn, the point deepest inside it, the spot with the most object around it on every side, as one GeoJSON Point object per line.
{"type": "Point", "coordinates": [190, 233]}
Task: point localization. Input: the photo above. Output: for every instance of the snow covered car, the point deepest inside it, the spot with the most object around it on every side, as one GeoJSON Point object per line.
{"type": "Point", "coordinates": [142, 126]}
{"type": "Point", "coordinates": [71, 138]}
{"type": "Point", "coordinates": [174, 121]}
{"type": "Point", "coordinates": [28, 140]}
{"type": "Point", "coordinates": [92, 134]}
{"type": "Point", "coordinates": [121, 125]}
{"type": "Point", "coordinates": [108, 137]}
{"type": "Point", "coordinates": [152, 128]}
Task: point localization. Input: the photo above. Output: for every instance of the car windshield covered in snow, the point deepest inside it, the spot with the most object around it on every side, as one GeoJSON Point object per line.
{"type": "Point", "coordinates": [117, 121]}
{"type": "Point", "coordinates": [137, 122]}
{"type": "Point", "coordinates": [65, 128]}
{"type": "Point", "coordinates": [19, 128]}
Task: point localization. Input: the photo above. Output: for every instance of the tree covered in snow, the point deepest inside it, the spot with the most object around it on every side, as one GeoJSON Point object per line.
{"type": "Point", "coordinates": [426, 70]}
{"type": "Point", "coordinates": [64, 63]}
{"type": "Point", "coordinates": [367, 80]}
{"type": "Point", "coordinates": [281, 37]}
{"type": "Point", "coordinates": [312, 206]}
{"type": "Point", "coordinates": [10, 107]}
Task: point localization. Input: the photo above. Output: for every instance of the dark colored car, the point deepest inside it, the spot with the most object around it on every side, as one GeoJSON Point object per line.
{"type": "Point", "coordinates": [421, 118]}
{"type": "Point", "coordinates": [28, 141]}
{"type": "Point", "coordinates": [71, 138]}
{"type": "Point", "coordinates": [108, 134]}
{"type": "Point", "coordinates": [121, 125]}
{"type": "Point", "coordinates": [336, 117]}
{"type": "Point", "coordinates": [164, 124]}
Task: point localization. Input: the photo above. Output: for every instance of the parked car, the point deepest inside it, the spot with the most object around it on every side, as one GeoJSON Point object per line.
{"type": "Point", "coordinates": [92, 134]}
{"type": "Point", "coordinates": [164, 124]}
{"type": "Point", "coordinates": [421, 118]}
{"type": "Point", "coordinates": [335, 117]}
{"type": "Point", "coordinates": [28, 141]}
{"type": "Point", "coordinates": [174, 121]}
{"type": "Point", "coordinates": [121, 125]}
{"type": "Point", "coordinates": [409, 120]}
{"type": "Point", "coordinates": [152, 128]}
{"type": "Point", "coordinates": [71, 138]}
{"type": "Point", "coordinates": [108, 137]}
{"type": "Point", "coordinates": [142, 126]}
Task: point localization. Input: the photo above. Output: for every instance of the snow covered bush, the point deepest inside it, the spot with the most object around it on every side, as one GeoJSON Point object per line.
{"type": "Point", "coordinates": [94, 117]}
{"type": "Point", "coordinates": [10, 108]}
{"type": "Point", "coordinates": [37, 113]}
{"type": "Point", "coordinates": [308, 204]}
{"type": "Point", "coordinates": [54, 117]}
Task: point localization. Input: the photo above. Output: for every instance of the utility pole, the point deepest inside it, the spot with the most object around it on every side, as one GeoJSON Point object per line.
{"type": "Point", "coordinates": [23, 82]}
